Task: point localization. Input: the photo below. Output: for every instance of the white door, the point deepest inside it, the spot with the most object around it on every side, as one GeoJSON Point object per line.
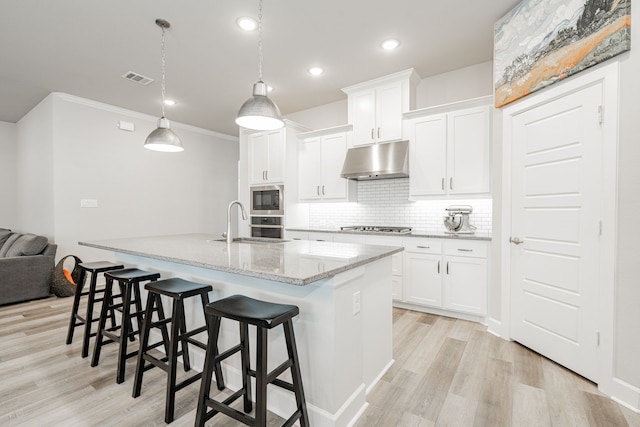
{"type": "Point", "coordinates": [556, 192]}
{"type": "Point", "coordinates": [334, 150]}
{"type": "Point", "coordinates": [468, 136]}
{"type": "Point", "coordinates": [309, 169]}
{"type": "Point", "coordinates": [427, 155]}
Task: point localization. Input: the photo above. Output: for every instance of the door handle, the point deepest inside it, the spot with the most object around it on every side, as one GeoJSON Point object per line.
{"type": "Point", "coordinates": [516, 240]}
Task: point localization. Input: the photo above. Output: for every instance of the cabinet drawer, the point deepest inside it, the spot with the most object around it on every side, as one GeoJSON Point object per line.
{"type": "Point", "coordinates": [469, 248]}
{"type": "Point", "coordinates": [425, 246]}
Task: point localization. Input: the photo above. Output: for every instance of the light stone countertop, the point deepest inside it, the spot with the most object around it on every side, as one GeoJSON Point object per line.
{"type": "Point", "coordinates": [438, 234]}
{"type": "Point", "coordinates": [297, 262]}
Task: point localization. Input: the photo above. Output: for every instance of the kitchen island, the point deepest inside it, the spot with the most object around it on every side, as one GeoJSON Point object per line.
{"type": "Point", "coordinates": [343, 291]}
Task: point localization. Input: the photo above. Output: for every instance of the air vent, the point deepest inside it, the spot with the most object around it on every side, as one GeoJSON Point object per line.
{"type": "Point", "coordinates": [138, 78]}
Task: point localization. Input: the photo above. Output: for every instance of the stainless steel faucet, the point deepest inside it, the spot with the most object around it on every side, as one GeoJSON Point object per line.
{"type": "Point", "coordinates": [244, 216]}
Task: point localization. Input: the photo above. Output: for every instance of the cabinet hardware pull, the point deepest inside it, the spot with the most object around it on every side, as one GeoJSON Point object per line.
{"type": "Point", "coordinates": [263, 178]}
{"type": "Point", "coordinates": [372, 133]}
{"type": "Point", "coordinates": [323, 190]}
{"type": "Point", "coordinates": [438, 267]}
{"type": "Point", "coordinates": [266, 175]}
{"type": "Point", "coordinates": [318, 190]}
{"type": "Point", "coordinates": [423, 247]}
{"type": "Point", "coordinates": [465, 250]}
{"type": "Point", "coordinates": [447, 267]}
{"type": "Point", "coordinates": [451, 183]}
{"type": "Point", "coordinates": [378, 133]}
{"type": "Point", "coordinates": [442, 184]}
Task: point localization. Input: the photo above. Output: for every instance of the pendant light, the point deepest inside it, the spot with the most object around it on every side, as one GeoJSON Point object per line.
{"type": "Point", "coordinates": [259, 112]}
{"type": "Point", "coordinates": [163, 138]}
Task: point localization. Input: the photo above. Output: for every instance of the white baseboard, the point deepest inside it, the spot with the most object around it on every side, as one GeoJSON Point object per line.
{"type": "Point", "coordinates": [622, 392]}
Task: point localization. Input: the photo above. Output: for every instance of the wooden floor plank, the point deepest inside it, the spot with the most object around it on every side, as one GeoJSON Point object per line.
{"type": "Point", "coordinates": [447, 372]}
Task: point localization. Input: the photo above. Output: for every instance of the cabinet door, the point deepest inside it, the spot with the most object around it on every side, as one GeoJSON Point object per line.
{"type": "Point", "coordinates": [334, 150]}
{"type": "Point", "coordinates": [427, 155]}
{"type": "Point", "coordinates": [422, 279]}
{"type": "Point", "coordinates": [258, 160]}
{"type": "Point", "coordinates": [309, 169]}
{"type": "Point", "coordinates": [389, 112]}
{"type": "Point", "coordinates": [275, 156]}
{"type": "Point", "coordinates": [468, 151]}
{"type": "Point", "coordinates": [364, 117]}
{"type": "Point", "coordinates": [397, 290]}
{"type": "Point", "coordinates": [465, 284]}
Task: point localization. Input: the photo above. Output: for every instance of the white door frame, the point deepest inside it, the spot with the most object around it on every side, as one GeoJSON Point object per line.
{"type": "Point", "coordinates": [608, 74]}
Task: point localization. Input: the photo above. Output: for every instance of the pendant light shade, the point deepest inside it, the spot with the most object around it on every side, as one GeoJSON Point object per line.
{"type": "Point", "coordinates": [163, 138]}
{"type": "Point", "coordinates": [259, 112]}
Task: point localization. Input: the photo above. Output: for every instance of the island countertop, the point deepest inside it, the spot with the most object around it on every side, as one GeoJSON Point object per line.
{"type": "Point", "coordinates": [297, 262]}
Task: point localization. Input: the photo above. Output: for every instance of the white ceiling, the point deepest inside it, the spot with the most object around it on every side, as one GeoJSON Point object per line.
{"type": "Point", "coordinates": [82, 47]}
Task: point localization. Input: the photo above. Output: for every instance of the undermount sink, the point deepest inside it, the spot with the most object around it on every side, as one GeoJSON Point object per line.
{"type": "Point", "coordinates": [252, 240]}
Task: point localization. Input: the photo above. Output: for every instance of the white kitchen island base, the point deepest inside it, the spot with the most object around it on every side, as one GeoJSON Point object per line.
{"type": "Point", "coordinates": [343, 333]}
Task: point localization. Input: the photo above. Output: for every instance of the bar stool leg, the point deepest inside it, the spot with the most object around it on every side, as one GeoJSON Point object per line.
{"type": "Point", "coordinates": [125, 330]}
{"type": "Point", "coordinates": [246, 366]}
{"type": "Point", "coordinates": [292, 350]}
{"type": "Point", "coordinates": [102, 324]}
{"type": "Point", "coordinates": [261, 377]}
{"type": "Point", "coordinates": [209, 358]}
{"type": "Point", "coordinates": [76, 303]}
{"type": "Point", "coordinates": [89, 317]}
{"type": "Point", "coordinates": [186, 359]}
{"type": "Point", "coordinates": [177, 327]}
{"type": "Point", "coordinates": [144, 342]}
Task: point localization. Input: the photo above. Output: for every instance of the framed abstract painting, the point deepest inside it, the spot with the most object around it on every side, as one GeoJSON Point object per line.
{"type": "Point", "coordinates": [540, 42]}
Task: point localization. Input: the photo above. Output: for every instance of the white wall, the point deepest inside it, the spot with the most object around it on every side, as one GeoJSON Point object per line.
{"type": "Point", "coordinates": [81, 154]}
{"type": "Point", "coordinates": [34, 166]}
{"type": "Point", "coordinates": [8, 146]}
{"type": "Point", "coordinates": [627, 340]}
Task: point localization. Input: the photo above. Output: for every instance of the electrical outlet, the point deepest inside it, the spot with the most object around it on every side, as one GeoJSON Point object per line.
{"type": "Point", "coordinates": [356, 303]}
{"type": "Point", "coordinates": [88, 203]}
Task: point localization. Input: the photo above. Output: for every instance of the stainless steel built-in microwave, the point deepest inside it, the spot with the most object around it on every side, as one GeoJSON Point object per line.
{"type": "Point", "coordinates": [267, 200]}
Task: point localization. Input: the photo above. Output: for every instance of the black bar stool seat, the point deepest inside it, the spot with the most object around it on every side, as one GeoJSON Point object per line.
{"type": "Point", "coordinates": [94, 268]}
{"type": "Point", "coordinates": [265, 316]}
{"type": "Point", "coordinates": [129, 280]}
{"type": "Point", "coordinates": [178, 290]}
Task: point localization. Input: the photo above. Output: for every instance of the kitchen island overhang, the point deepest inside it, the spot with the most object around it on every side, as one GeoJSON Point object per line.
{"type": "Point", "coordinates": [343, 291]}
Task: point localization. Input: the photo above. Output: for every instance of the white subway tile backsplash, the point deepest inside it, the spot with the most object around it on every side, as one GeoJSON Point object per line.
{"type": "Point", "coordinates": [386, 202]}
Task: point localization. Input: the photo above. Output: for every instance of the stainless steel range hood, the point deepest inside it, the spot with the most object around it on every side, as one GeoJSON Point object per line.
{"type": "Point", "coordinates": [377, 161]}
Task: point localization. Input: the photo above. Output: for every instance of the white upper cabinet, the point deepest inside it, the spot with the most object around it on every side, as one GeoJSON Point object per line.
{"type": "Point", "coordinates": [320, 159]}
{"type": "Point", "coordinates": [449, 151]}
{"type": "Point", "coordinates": [266, 157]}
{"type": "Point", "coordinates": [376, 107]}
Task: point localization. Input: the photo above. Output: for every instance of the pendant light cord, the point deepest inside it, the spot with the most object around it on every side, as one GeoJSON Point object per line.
{"type": "Point", "coordinates": [260, 40]}
{"type": "Point", "coordinates": [162, 82]}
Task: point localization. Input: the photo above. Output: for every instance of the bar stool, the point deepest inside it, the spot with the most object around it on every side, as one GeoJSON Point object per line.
{"type": "Point", "coordinates": [265, 316]}
{"type": "Point", "coordinates": [94, 268]}
{"type": "Point", "coordinates": [178, 290]}
{"type": "Point", "coordinates": [129, 280]}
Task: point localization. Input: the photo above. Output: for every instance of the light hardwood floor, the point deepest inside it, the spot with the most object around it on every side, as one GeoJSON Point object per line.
{"type": "Point", "coordinates": [447, 373]}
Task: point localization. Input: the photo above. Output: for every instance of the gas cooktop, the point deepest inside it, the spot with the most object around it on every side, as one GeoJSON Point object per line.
{"type": "Point", "coordinates": [377, 229]}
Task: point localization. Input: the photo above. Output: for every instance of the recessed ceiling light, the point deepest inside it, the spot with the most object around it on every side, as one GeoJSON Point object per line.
{"type": "Point", "coordinates": [316, 71]}
{"type": "Point", "coordinates": [390, 44]}
{"type": "Point", "coordinates": [247, 24]}
{"type": "Point", "coordinates": [169, 102]}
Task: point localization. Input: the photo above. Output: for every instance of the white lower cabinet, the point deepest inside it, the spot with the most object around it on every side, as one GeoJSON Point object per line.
{"type": "Point", "coordinates": [446, 274]}
{"type": "Point", "coordinates": [449, 275]}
